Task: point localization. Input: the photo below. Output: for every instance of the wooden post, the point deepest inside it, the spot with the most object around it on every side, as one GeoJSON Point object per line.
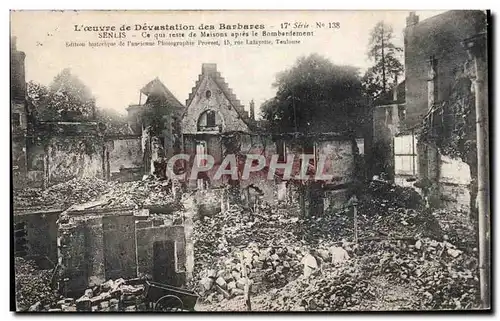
{"type": "Point", "coordinates": [353, 202]}
{"type": "Point", "coordinates": [246, 280]}
{"type": "Point", "coordinates": [355, 214]}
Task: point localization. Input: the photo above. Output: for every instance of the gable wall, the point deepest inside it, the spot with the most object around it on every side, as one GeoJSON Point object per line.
{"type": "Point", "coordinates": [217, 102]}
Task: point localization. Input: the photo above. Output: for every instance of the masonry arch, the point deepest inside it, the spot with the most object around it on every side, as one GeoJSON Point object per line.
{"type": "Point", "coordinates": [209, 121]}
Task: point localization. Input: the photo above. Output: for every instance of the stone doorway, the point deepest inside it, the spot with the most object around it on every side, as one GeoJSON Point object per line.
{"type": "Point", "coordinates": [164, 260]}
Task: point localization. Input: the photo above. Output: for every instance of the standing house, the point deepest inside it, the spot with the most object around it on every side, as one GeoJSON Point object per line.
{"type": "Point", "coordinates": [213, 111]}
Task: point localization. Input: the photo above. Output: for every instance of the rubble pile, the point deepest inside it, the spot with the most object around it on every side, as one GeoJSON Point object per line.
{"type": "Point", "coordinates": [32, 286]}
{"type": "Point", "coordinates": [440, 276]}
{"type": "Point", "coordinates": [268, 267]}
{"type": "Point", "coordinates": [393, 195]}
{"type": "Point", "coordinates": [334, 288]}
{"type": "Point", "coordinates": [139, 194]}
{"type": "Point", "coordinates": [383, 211]}
{"type": "Point", "coordinates": [221, 240]}
{"type": "Point", "coordinates": [118, 295]}
{"type": "Point", "coordinates": [61, 195]}
{"type": "Point", "coordinates": [459, 228]}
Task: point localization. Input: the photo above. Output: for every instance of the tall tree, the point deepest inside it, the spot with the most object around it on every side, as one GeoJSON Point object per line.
{"type": "Point", "coordinates": [385, 56]}
{"type": "Point", "coordinates": [66, 98]}
{"type": "Point", "coordinates": [315, 95]}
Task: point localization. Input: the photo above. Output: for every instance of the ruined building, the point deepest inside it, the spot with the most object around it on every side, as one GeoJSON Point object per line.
{"type": "Point", "coordinates": [437, 68]}
{"type": "Point", "coordinates": [19, 120]}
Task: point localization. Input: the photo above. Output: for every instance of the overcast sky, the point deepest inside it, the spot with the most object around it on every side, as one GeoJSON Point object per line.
{"type": "Point", "coordinates": [115, 75]}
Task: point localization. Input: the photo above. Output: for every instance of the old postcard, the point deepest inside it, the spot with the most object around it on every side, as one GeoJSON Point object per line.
{"type": "Point", "coordinates": [250, 160]}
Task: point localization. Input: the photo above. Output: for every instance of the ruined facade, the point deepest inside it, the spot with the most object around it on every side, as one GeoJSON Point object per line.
{"type": "Point", "coordinates": [434, 55]}
{"type": "Point", "coordinates": [95, 245]}
{"type": "Point", "coordinates": [157, 122]}
{"type": "Point", "coordinates": [19, 119]}
{"type": "Point", "coordinates": [435, 59]}
{"type": "Point", "coordinates": [388, 115]}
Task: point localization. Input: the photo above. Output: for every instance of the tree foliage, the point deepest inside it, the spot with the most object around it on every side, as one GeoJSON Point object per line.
{"type": "Point", "coordinates": [385, 57]}
{"type": "Point", "coordinates": [114, 123]}
{"type": "Point", "coordinates": [66, 98]}
{"type": "Point", "coordinates": [315, 95]}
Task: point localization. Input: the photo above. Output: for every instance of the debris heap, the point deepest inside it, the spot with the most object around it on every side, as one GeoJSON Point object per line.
{"type": "Point", "coordinates": [118, 295]}
{"type": "Point", "coordinates": [61, 195]}
{"type": "Point", "coordinates": [32, 286]}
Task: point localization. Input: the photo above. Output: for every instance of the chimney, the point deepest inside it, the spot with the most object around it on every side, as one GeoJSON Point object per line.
{"type": "Point", "coordinates": [252, 110]}
{"type": "Point", "coordinates": [412, 19]}
{"type": "Point", "coordinates": [432, 82]}
{"type": "Point", "coordinates": [208, 69]}
{"type": "Point", "coordinates": [13, 43]}
{"type": "Point", "coordinates": [395, 88]}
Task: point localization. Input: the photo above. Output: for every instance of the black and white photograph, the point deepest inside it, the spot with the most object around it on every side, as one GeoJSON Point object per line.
{"type": "Point", "coordinates": [250, 161]}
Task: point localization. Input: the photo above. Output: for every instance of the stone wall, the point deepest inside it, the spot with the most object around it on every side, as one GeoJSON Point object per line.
{"type": "Point", "coordinates": [455, 182]}
{"type": "Point", "coordinates": [225, 111]}
{"type": "Point", "coordinates": [450, 178]}
{"type": "Point", "coordinates": [125, 155]}
{"type": "Point", "coordinates": [36, 235]}
{"type": "Point", "coordinates": [439, 36]}
{"type": "Point", "coordinates": [98, 245]}
{"type": "Point", "coordinates": [74, 157]}
{"type": "Point", "coordinates": [340, 163]}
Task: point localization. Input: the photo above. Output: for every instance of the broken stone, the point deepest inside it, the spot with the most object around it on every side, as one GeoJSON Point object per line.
{"type": "Point", "coordinates": [69, 308]}
{"type": "Point", "coordinates": [88, 293]}
{"type": "Point", "coordinates": [224, 293]}
{"type": "Point", "coordinates": [131, 308]}
{"type": "Point", "coordinates": [221, 282]}
{"type": "Point", "coordinates": [418, 245]}
{"type": "Point", "coordinates": [338, 254]}
{"type": "Point", "coordinates": [454, 253]}
{"type": "Point", "coordinates": [207, 283]}
{"type": "Point", "coordinates": [83, 304]}
{"type": "Point", "coordinates": [236, 275]}
{"type": "Point", "coordinates": [211, 273]}
{"type": "Point", "coordinates": [108, 285]}
{"type": "Point", "coordinates": [237, 292]}
{"type": "Point", "coordinates": [36, 307]}
{"type": "Point", "coordinates": [240, 284]}
{"type": "Point", "coordinates": [104, 304]}
{"type": "Point", "coordinates": [231, 285]}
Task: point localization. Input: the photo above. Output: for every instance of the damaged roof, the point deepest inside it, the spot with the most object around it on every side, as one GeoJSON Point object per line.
{"type": "Point", "coordinates": [387, 97]}
{"type": "Point", "coordinates": [155, 86]}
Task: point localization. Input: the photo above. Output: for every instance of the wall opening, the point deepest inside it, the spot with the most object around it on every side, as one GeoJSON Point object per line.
{"type": "Point", "coordinates": [164, 261]}
{"type": "Point", "coordinates": [21, 241]}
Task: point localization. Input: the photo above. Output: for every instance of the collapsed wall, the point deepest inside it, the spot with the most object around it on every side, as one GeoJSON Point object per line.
{"type": "Point", "coordinates": [95, 245]}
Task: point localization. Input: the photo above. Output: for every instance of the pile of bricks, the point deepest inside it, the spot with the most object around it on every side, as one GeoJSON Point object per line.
{"type": "Point", "coordinates": [118, 295]}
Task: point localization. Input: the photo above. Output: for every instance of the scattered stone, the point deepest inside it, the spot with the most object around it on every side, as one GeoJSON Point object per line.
{"type": "Point", "coordinates": [36, 307]}
{"type": "Point", "coordinates": [221, 282]}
